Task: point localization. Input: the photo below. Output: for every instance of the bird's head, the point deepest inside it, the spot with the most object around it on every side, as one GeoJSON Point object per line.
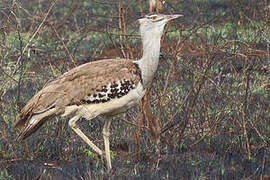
{"type": "Point", "coordinates": [154, 23]}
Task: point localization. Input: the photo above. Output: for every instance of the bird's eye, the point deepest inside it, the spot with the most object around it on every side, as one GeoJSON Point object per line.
{"type": "Point", "coordinates": [154, 17]}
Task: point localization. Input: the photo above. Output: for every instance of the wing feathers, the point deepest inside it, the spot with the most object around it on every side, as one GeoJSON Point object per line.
{"type": "Point", "coordinates": [35, 123]}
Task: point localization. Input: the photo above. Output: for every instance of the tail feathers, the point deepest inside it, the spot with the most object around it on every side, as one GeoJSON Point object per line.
{"type": "Point", "coordinates": [34, 123]}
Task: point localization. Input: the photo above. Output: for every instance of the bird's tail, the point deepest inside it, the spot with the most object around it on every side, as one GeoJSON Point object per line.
{"type": "Point", "coordinates": [30, 126]}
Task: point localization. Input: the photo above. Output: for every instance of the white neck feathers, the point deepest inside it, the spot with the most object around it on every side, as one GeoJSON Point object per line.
{"type": "Point", "coordinates": [151, 49]}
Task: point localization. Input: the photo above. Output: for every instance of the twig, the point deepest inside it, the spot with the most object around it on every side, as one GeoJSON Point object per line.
{"type": "Point", "coordinates": [164, 91]}
{"type": "Point", "coordinates": [132, 123]}
{"type": "Point", "coordinates": [66, 49]}
{"type": "Point", "coordinates": [244, 111]}
{"type": "Point", "coordinates": [121, 15]}
{"type": "Point", "coordinates": [69, 14]}
{"type": "Point", "coordinates": [141, 7]}
{"type": "Point", "coordinates": [165, 128]}
{"type": "Point", "coordinates": [33, 36]}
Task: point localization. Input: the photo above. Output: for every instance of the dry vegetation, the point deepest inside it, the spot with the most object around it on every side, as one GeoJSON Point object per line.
{"type": "Point", "coordinates": [206, 116]}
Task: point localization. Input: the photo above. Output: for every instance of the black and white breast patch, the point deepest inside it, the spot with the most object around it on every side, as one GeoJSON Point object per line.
{"type": "Point", "coordinates": [113, 90]}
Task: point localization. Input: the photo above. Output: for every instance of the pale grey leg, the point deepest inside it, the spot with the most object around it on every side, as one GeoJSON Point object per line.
{"type": "Point", "coordinates": [72, 124]}
{"type": "Point", "coordinates": [106, 134]}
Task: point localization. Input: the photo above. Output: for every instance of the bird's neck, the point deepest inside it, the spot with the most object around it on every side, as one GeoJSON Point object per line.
{"type": "Point", "coordinates": [149, 62]}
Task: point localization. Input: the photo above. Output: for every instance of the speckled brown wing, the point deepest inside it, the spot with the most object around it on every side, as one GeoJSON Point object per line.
{"type": "Point", "coordinates": [83, 84]}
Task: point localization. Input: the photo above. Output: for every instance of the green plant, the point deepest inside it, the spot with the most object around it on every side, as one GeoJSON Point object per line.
{"type": "Point", "coordinates": [4, 175]}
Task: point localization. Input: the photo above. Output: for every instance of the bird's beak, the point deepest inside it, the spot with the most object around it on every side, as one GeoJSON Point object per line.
{"type": "Point", "coordinates": [173, 16]}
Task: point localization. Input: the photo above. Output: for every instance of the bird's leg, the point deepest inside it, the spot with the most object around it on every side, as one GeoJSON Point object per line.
{"type": "Point", "coordinates": [72, 124]}
{"type": "Point", "coordinates": [106, 134]}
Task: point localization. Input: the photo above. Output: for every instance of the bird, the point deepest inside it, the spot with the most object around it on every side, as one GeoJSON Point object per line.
{"type": "Point", "coordinates": [99, 88]}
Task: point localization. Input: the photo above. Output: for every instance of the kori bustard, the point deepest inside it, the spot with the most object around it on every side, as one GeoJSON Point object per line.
{"type": "Point", "coordinates": [106, 87]}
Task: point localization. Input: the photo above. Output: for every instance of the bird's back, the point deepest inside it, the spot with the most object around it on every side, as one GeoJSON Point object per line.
{"type": "Point", "coordinates": [90, 84]}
